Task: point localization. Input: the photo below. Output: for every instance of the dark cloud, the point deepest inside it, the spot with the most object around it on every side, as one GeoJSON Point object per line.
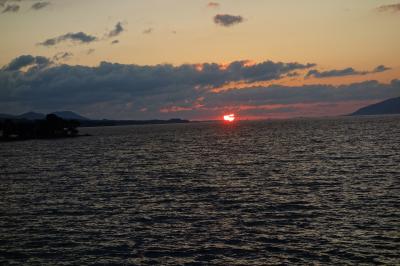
{"type": "Point", "coordinates": [213, 4]}
{"type": "Point", "coordinates": [389, 8]}
{"type": "Point", "coordinates": [267, 70]}
{"type": "Point", "coordinates": [151, 87]}
{"type": "Point", "coordinates": [148, 31]}
{"type": "Point", "coordinates": [4, 2]}
{"type": "Point", "coordinates": [15, 7]}
{"type": "Point", "coordinates": [334, 73]}
{"type": "Point", "coordinates": [11, 8]}
{"type": "Point", "coordinates": [78, 37]}
{"type": "Point", "coordinates": [118, 29]}
{"type": "Point", "coordinates": [27, 61]}
{"type": "Point", "coordinates": [275, 94]}
{"type": "Point", "coordinates": [164, 91]}
{"type": "Point", "coordinates": [292, 74]}
{"type": "Point", "coordinates": [40, 5]}
{"type": "Point", "coordinates": [115, 42]}
{"type": "Point", "coordinates": [62, 56]}
{"type": "Point", "coordinates": [227, 20]}
{"type": "Point", "coordinates": [381, 68]}
{"type": "Point", "coordinates": [343, 72]}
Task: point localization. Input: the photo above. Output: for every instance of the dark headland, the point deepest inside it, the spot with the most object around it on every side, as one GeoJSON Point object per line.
{"type": "Point", "coordinates": [387, 107]}
{"type": "Point", "coordinates": [50, 127]}
{"type": "Point", "coordinates": [63, 124]}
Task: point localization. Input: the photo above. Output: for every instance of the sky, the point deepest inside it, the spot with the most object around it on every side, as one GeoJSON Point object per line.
{"type": "Point", "coordinates": [197, 59]}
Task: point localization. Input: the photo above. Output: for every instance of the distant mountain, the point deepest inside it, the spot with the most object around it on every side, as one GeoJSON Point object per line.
{"type": "Point", "coordinates": [391, 106]}
{"type": "Point", "coordinates": [86, 122]}
{"type": "Point", "coordinates": [30, 116]}
{"type": "Point", "coordinates": [68, 115]}
{"type": "Point", "coordinates": [6, 116]}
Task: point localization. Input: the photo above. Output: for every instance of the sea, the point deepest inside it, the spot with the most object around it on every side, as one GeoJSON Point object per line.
{"type": "Point", "coordinates": [313, 191]}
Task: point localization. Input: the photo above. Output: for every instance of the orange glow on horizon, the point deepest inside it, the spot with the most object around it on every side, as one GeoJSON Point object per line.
{"type": "Point", "coordinates": [229, 118]}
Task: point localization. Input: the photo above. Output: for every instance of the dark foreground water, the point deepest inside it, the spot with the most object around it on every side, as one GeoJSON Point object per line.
{"type": "Point", "coordinates": [253, 193]}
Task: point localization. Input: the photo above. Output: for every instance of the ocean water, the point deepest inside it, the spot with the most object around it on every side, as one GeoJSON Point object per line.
{"type": "Point", "coordinates": [306, 191]}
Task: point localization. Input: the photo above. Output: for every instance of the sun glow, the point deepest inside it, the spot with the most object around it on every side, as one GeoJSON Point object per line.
{"type": "Point", "coordinates": [229, 118]}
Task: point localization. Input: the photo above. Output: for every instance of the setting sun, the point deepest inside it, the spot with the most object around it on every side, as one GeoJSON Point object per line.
{"type": "Point", "coordinates": [229, 118]}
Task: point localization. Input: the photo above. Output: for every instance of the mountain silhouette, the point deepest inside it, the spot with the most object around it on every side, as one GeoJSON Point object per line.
{"type": "Point", "coordinates": [31, 116]}
{"type": "Point", "coordinates": [84, 121]}
{"type": "Point", "coordinates": [390, 106]}
{"type": "Point", "coordinates": [68, 115]}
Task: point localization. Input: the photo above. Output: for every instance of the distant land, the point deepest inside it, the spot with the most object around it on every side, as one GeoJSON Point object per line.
{"type": "Point", "coordinates": [387, 107]}
{"type": "Point", "coordinates": [39, 116]}
{"type": "Point", "coordinates": [87, 122]}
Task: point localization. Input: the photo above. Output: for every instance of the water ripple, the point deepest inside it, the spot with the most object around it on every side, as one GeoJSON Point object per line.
{"type": "Point", "coordinates": [320, 191]}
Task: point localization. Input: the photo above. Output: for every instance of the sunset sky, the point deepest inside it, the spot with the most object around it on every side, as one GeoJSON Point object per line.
{"type": "Point", "coordinates": [196, 59]}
